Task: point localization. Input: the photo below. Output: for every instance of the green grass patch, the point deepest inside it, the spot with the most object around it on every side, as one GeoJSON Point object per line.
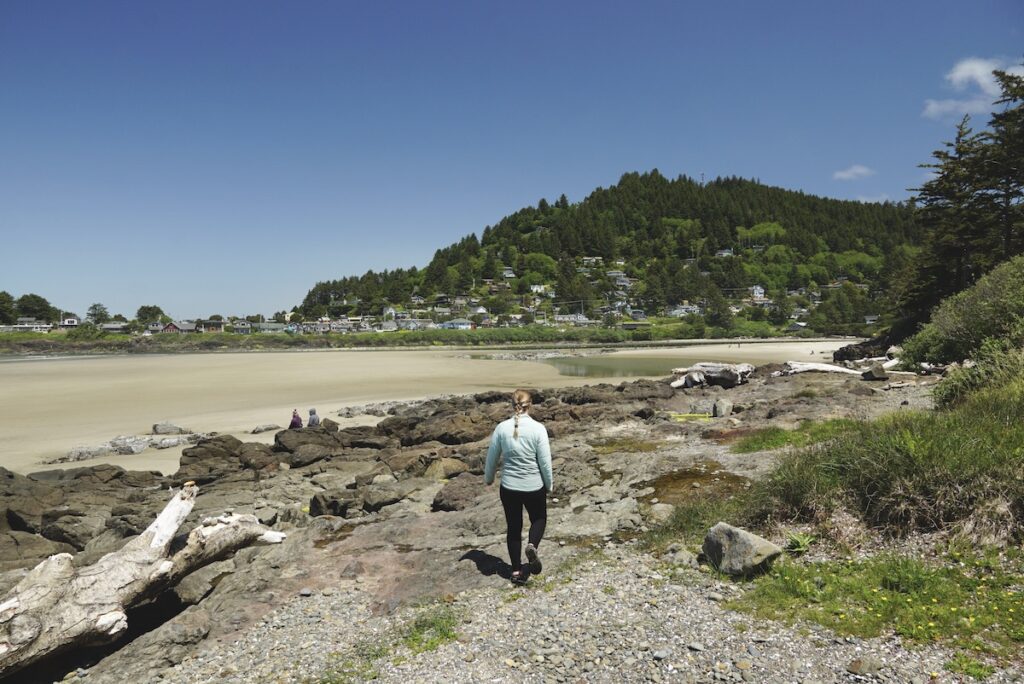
{"type": "Point", "coordinates": [916, 470]}
{"type": "Point", "coordinates": [625, 445]}
{"type": "Point", "coordinates": [356, 664]}
{"type": "Point", "coordinates": [432, 627]}
{"type": "Point", "coordinates": [810, 432]}
{"type": "Point", "coordinates": [973, 603]}
{"type": "Point", "coordinates": [691, 520]}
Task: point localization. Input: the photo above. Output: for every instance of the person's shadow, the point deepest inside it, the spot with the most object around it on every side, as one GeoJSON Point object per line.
{"type": "Point", "coordinates": [488, 565]}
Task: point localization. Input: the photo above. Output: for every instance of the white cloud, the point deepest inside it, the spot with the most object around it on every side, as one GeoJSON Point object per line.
{"type": "Point", "coordinates": [973, 77]}
{"type": "Point", "coordinates": [853, 173]}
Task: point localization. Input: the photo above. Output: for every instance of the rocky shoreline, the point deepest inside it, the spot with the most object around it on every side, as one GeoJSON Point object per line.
{"type": "Point", "coordinates": [381, 518]}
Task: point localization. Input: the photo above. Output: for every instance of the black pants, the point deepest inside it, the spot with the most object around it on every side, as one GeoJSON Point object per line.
{"type": "Point", "coordinates": [536, 504]}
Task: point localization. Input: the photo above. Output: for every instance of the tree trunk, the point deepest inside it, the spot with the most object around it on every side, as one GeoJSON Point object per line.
{"type": "Point", "coordinates": [57, 607]}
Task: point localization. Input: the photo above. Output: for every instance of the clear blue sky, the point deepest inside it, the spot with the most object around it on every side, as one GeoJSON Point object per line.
{"type": "Point", "coordinates": [222, 157]}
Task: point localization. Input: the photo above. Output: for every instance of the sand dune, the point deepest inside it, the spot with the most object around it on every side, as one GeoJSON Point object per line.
{"type": "Point", "coordinates": [49, 406]}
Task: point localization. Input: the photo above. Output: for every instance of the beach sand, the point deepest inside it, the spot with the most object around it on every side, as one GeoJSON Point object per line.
{"type": "Point", "coordinates": [49, 406]}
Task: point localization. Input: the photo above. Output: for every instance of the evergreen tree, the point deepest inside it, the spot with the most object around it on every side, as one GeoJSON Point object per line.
{"type": "Point", "coordinates": [8, 314]}
{"type": "Point", "coordinates": [98, 314]}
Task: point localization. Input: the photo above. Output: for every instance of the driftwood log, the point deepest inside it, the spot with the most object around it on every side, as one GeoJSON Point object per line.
{"type": "Point", "coordinates": [57, 607]}
{"type": "Point", "coordinates": [708, 372]}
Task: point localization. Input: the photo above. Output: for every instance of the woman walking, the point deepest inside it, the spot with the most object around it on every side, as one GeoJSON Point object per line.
{"type": "Point", "coordinates": [522, 445]}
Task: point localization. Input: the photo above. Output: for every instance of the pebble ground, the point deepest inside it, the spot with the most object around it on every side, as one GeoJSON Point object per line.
{"type": "Point", "coordinates": [617, 615]}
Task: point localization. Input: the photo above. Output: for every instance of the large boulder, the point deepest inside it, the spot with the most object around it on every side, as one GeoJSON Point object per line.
{"type": "Point", "coordinates": [337, 502]}
{"type": "Point", "coordinates": [25, 550]}
{"type": "Point", "coordinates": [209, 460]}
{"type": "Point", "coordinates": [445, 468]}
{"type": "Point", "coordinates": [73, 526]}
{"type": "Point", "coordinates": [290, 440]}
{"type": "Point", "coordinates": [458, 493]}
{"type": "Point", "coordinates": [129, 445]}
{"type": "Point", "coordinates": [451, 428]}
{"type": "Point", "coordinates": [737, 552]}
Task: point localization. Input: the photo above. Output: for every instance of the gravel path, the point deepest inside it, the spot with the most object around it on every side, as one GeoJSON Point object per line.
{"type": "Point", "coordinates": [614, 616]}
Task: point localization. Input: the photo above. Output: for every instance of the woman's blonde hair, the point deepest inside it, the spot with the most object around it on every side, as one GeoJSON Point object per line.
{"type": "Point", "coordinates": [521, 402]}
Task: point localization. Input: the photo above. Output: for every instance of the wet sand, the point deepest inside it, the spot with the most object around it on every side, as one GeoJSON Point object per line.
{"type": "Point", "coordinates": [49, 406]}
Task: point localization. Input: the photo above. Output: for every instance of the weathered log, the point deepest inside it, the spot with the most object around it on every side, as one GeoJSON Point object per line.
{"type": "Point", "coordinates": [721, 374]}
{"type": "Point", "coordinates": [794, 367]}
{"type": "Point", "coordinates": [57, 607]}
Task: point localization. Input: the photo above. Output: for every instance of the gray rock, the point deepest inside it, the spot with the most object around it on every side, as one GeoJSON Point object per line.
{"type": "Point", "coordinates": [458, 493]}
{"type": "Point", "coordinates": [128, 445]}
{"type": "Point", "coordinates": [166, 428]}
{"type": "Point", "coordinates": [660, 512]}
{"type": "Point", "coordinates": [721, 408]}
{"type": "Point", "coordinates": [737, 552]}
{"type": "Point", "coordinates": [876, 372]}
{"type": "Point", "coordinates": [84, 453]}
{"type": "Point", "coordinates": [264, 427]}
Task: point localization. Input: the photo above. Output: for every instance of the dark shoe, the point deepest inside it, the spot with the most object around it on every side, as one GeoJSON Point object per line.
{"type": "Point", "coordinates": [534, 559]}
{"type": "Point", "coordinates": [519, 577]}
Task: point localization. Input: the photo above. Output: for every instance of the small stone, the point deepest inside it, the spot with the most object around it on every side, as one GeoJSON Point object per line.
{"type": "Point", "coordinates": [305, 591]}
{"type": "Point", "coordinates": [329, 591]}
{"type": "Point", "coordinates": [469, 657]}
{"type": "Point", "coordinates": [695, 485]}
{"type": "Point", "coordinates": [695, 646]}
{"type": "Point", "coordinates": [510, 662]}
{"type": "Point", "coordinates": [752, 650]}
{"type": "Point", "coordinates": [662, 654]}
{"type": "Point", "coordinates": [743, 664]}
{"type": "Point", "coordinates": [715, 596]}
{"type": "Point", "coordinates": [864, 665]}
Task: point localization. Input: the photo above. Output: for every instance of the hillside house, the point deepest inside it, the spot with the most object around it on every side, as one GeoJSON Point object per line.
{"type": "Point", "coordinates": [723, 253]}
{"type": "Point", "coordinates": [242, 327]}
{"type": "Point", "coordinates": [457, 324]}
{"type": "Point", "coordinates": [181, 327]}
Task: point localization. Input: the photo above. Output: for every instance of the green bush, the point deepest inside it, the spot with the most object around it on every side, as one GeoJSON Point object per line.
{"type": "Point", "coordinates": [989, 309]}
{"type": "Point", "coordinates": [916, 471]}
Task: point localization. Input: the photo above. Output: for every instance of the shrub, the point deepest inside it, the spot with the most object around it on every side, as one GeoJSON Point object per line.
{"type": "Point", "coordinates": [961, 323]}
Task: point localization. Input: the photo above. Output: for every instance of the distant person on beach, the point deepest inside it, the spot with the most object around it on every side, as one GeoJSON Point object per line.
{"type": "Point", "coordinates": [314, 420]}
{"type": "Point", "coordinates": [296, 420]}
{"type": "Point", "coordinates": [521, 443]}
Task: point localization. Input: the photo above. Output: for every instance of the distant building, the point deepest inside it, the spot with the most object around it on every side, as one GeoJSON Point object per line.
{"type": "Point", "coordinates": [724, 253]}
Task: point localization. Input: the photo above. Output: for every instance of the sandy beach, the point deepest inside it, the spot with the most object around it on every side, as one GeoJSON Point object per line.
{"type": "Point", "coordinates": [52, 405]}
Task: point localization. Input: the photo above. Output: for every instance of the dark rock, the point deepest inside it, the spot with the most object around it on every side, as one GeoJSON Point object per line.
{"type": "Point", "coordinates": [406, 462]}
{"type": "Point", "coordinates": [306, 454]}
{"type": "Point", "coordinates": [376, 497]}
{"type": "Point", "coordinates": [643, 390]}
{"type": "Point", "coordinates": [25, 550]}
{"type": "Point", "coordinates": [329, 425]}
{"type": "Point", "coordinates": [255, 456]}
{"type": "Point", "coordinates": [336, 502]}
{"type": "Point", "coordinates": [645, 413]}
{"type": "Point", "coordinates": [445, 468]}
{"type": "Point", "coordinates": [194, 587]}
{"type": "Point", "coordinates": [458, 493]}
{"type": "Point", "coordinates": [290, 440]}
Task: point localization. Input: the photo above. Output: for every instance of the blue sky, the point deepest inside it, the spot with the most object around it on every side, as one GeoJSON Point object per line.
{"type": "Point", "coordinates": [222, 157]}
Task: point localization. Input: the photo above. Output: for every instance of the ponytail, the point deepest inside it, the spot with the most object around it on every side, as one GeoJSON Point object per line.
{"type": "Point", "coordinates": [521, 401]}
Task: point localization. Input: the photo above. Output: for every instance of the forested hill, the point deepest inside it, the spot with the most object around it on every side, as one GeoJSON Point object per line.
{"type": "Point", "coordinates": [667, 234]}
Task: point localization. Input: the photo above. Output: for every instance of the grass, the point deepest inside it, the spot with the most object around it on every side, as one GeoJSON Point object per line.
{"type": "Point", "coordinates": [973, 603]}
{"type": "Point", "coordinates": [810, 432]}
{"type": "Point", "coordinates": [431, 628]}
{"type": "Point", "coordinates": [434, 624]}
{"type": "Point", "coordinates": [625, 445]}
{"type": "Point", "coordinates": [691, 520]}
{"type": "Point", "coordinates": [688, 417]}
{"type": "Point", "coordinates": [962, 468]}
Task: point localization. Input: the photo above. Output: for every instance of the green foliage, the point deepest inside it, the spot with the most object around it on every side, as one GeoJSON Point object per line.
{"type": "Point", "coordinates": [991, 308]}
{"type": "Point", "coordinates": [916, 471]}
{"type": "Point", "coordinates": [149, 314]}
{"type": "Point", "coordinates": [997, 362]}
{"type": "Point", "coordinates": [7, 309]}
{"type": "Point", "coordinates": [98, 314]}
{"type": "Point", "coordinates": [972, 602]}
{"type": "Point", "coordinates": [971, 207]}
{"type": "Point", "coordinates": [625, 445]}
{"type": "Point", "coordinates": [799, 543]}
{"type": "Point", "coordinates": [35, 306]}
{"type": "Point", "coordinates": [432, 627]}
{"type": "Point", "coordinates": [810, 432]}
{"type": "Point", "coordinates": [86, 331]}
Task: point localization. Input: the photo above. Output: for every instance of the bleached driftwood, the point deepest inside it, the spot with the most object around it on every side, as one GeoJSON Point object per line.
{"type": "Point", "coordinates": [794, 367]}
{"type": "Point", "coordinates": [57, 606]}
{"type": "Point", "coordinates": [711, 373]}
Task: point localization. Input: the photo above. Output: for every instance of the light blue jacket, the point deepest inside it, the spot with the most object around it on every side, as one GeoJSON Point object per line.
{"type": "Point", "coordinates": [526, 461]}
